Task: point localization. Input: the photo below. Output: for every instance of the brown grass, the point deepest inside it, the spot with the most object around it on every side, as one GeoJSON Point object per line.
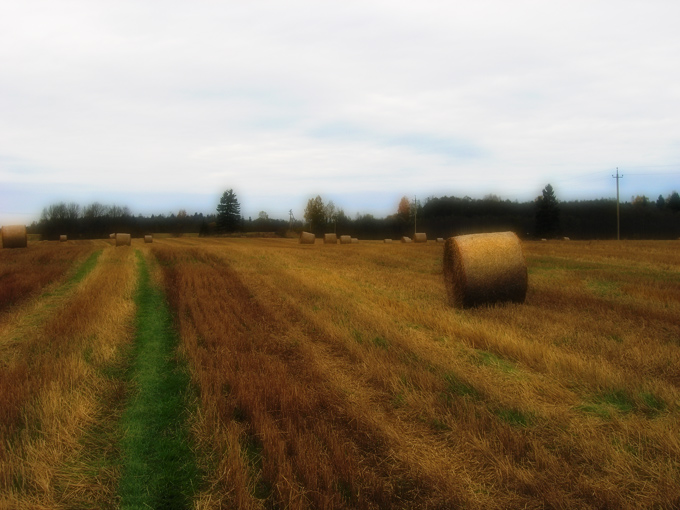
{"type": "Point", "coordinates": [14, 236]}
{"type": "Point", "coordinates": [58, 401]}
{"type": "Point", "coordinates": [484, 269]}
{"type": "Point", "coordinates": [342, 379]}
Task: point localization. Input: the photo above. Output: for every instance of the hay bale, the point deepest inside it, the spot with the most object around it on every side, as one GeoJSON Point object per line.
{"type": "Point", "coordinates": [440, 239]}
{"type": "Point", "coordinates": [484, 269]}
{"type": "Point", "coordinates": [345, 239]}
{"type": "Point", "coordinates": [63, 238]}
{"type": "Point", "coordinates": [355, 240]}
{"type": "Point", "coordinates": [148, 239]}
{"type": "Point", "coordinates": [112, 236]}
{"type": "Point", "coordinates": [566, 239]}
{"type": "Point", "coordinates": [405, 239]}
{"type": "Point", "coordinates": [14, 236]}
{"type": "Point", "coordinates": [420, 237]}
{"type": "Point", "coordinates": [307, 238]}
{"type": "Point", "coordinates": [123, 239]}
{"type": "Point", "coordinates": [330, 239]}
{"type": "Point", "coordinates": [388, 240]}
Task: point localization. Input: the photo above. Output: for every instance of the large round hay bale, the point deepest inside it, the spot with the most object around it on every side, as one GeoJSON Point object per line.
{"type": "Point", "coordinates": [123, 239]}
{"type": "Point", "coordinates": [63, 238]}
{"type": "Point", "coordinates": [440, 239]}
{"type": "Point", "coordinates": [420, 237]}
{"type": "Point", "coordinates": [388, 240]}
{"type": "Point", "coordinates": [330, 239]}
{"type": "Point", "coordinates": [405, 239]}
{"type": "Point", "coordinates": [307, 238]}
{"type": "Point", "coordinates": [148, 239]}
{"type": "Point", "coordinates": [355, 240]}
{"type": "Point", "coordinates": [14, 236]}
{"type": "Point", "coordinates": [345, 239]}
{"type": "Point", "coordinates": [112, 236]}
{"type": "Point", "coordinates": [484, 269]}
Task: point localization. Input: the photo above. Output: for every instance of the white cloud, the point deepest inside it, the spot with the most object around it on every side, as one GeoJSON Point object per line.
{"type": "Point", "coordinates": [283, 99]}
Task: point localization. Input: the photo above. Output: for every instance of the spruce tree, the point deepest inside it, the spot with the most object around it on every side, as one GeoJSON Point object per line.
{"type": "Point", "coordinates": [547, 214]}
{"type": "Point", "coordinates": [228, 212]}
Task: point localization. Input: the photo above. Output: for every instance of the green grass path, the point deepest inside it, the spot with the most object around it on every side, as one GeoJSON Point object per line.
{"type": "Point", "coordinates": [159, 469]}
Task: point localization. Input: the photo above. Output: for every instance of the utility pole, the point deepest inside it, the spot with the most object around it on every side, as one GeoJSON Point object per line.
{"type": "Point", "coordinates": [618, 220]}
{"type": "Point", "coordinates": [291, 220]}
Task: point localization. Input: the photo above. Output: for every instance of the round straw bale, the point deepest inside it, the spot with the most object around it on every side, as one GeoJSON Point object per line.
{"type": "Point", "coordinates": [440, 239]}
{"type": "Point", "coordinates": [355, 240]}
{"type": "Point", "coordinates": [405, 239]}
{"type": "Point", "coordinates": [566, 239]}
{"type": "Point", "coordinates": [14, 236]}
{"type": "Point", "coordinates": [112, 236]}
{"type": "Point", "coordinates": [420, 237]}
{"type": "Point", "coordinates": [330, 239]}
{"type": "Point", "coordinates": [388, 240]}
{"type": "Point", "coordinates": [307, 238]}
{"type": "Point", "coordinates": [63, 238]}
{"type": "Point", "coordinates": [484, 269]}
{"type": "Point", "coordinates": [123, 240]}
{"type": "Point", "coordinates": [148, 239]}
{"type": "Point", "coordinates": [345, 239]}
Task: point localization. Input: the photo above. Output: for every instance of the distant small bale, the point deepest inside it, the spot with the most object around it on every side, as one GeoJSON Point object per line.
{"type": "Point", "coordinates": [355, 240]}
{"type": "Point", "coordinates": [112, 236]}
{"type": "Point", "coordinates": [14, 236]}
{"type": "Point", "coordinates": [566, 239]}
{"type": "Point", "coordinates": [406, 239]}
{"type": "Point", "coordinates": [484, 269]}
{"type": "Point", "coordinates": [330, 239]}
{"type": "Point", "coordinates": [440, 239]}
{"type": "Point", "coordinates": [148, 239]}
{"type": "Point", "coordinates": [345, 239]}
{"type": "Point", "coordinates": [307, 238]}
{"type": "Point", "coordinates": [63, 238]}
{"type": "Point", "coordinates": [123, 239]}
{"type": "Point", "coordinates": [544, 240]}
{"type": "Point", "coordinates": [388, 240]}
{"type": "Point", "coordinates": [420, 237]}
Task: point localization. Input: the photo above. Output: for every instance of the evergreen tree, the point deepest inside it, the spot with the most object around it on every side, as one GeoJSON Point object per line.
{"type": "Point", "coordinates": [228, 212]}
{"type": "Point", "coordinates": [547, 214]}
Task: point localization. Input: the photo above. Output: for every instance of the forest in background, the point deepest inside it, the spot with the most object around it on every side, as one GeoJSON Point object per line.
{"type": "Point", "coordinates": [545, 217]}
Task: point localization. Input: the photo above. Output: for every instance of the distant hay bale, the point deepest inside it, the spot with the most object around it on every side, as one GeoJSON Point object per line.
{"type": "Point", "coordinates": [330, 239]}
{"type": "Point", "coordinates": [123, 239]}
{"type": "Point", "coordinates": [63, 238]}
{"type": "Point", "coordinates": [440, 239]}
{"type": "Point", "coordinates": [148, 239]}
{"type": "Point", "coordinates": [566, 239]}
{"type": "Point", "coordinates": [420, 237]}
{"type": "Point", "coordinates": [388, 240]}
{"type": "Point", "coordinates": [406, 239]}
{"type": "Point", "coordinates": [307, 238]}
{"type": "Point", "coordinates": [112, 236]}
{"type": "Point", "coordinates": [355, 240]}
{"type": "Point", "coordinates": [14, 236]}
{"type": "Point", "coordinates": [345, 239]}
{"type": "Point", "coordinates": [484, 269]}
{"type": "Point", "coordinates": [544, 240]}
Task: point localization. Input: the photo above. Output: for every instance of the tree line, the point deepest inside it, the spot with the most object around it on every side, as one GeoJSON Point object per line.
{"type": "Point", "coordinates": [544, 217]}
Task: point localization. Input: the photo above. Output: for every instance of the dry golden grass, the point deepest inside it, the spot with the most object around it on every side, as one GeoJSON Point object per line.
{"type": "Point", "coordinates": [25, 272]}
{"type": "Point", "coordinates": [335, 379]}
{"type": "Point", "coordinates": [58, 401]}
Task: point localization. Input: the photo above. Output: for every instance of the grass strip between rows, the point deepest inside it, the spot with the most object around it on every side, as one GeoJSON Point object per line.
{"type": "Point", "coordinates": [159, 470]}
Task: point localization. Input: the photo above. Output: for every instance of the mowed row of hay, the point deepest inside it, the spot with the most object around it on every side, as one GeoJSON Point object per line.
{"type": "Point", "coordinates": [14, 236]}
{"type": "Point", "coordinates": [484, 269]}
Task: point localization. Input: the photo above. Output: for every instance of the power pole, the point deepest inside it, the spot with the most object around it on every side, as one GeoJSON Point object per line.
{"type": "Point", "coordinates": [291, 220]}
{"type": "Point", "coordinates": [618, 220]}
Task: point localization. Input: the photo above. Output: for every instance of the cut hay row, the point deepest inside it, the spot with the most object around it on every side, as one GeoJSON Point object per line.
{"type": "Point", "coordinates": [14, 236]}
{"type": "Point", "coordinates": [484, 268]}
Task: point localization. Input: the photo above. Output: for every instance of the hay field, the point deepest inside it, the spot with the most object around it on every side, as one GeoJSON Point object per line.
{"type": "Point", "coordinates": [336, 376]}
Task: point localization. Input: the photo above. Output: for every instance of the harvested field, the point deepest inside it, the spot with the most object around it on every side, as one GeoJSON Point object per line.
{"type": "Point", "coordinates": [343, 379]}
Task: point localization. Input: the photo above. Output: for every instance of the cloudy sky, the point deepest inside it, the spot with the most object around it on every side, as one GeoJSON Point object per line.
{"type": "Point", "coordinates": [164, 105]}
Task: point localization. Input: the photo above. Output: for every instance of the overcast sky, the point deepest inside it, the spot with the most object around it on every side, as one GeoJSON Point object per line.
{"type": "Point", "coordinates": [164, 105]}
